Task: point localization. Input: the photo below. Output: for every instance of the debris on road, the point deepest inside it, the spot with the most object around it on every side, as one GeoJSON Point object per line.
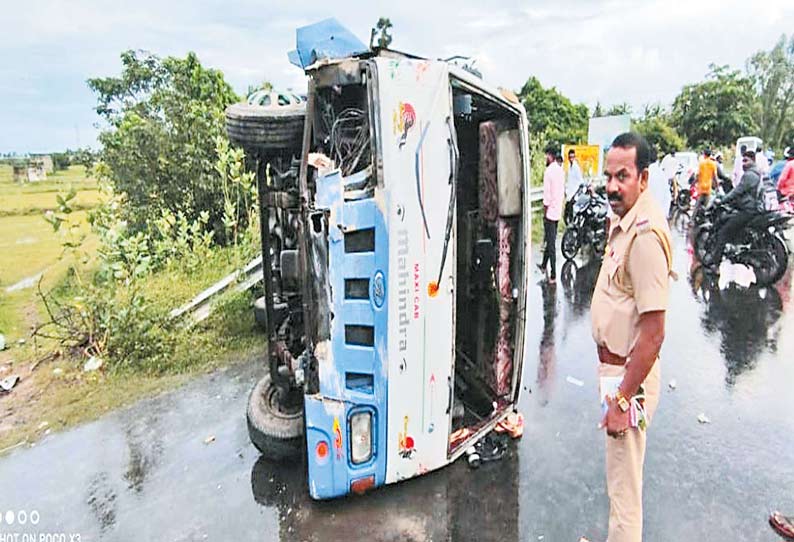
{"type": "Point", "coordinates": [491, 448]}
{"type": "Point", "coordinates": [513, 425]}
{"type": "Point", "coordinates": [210, 439]}
{"type": "Point", "coordinates": [93, 364]}
{"type": "Point", "coordinates": [574, 381]}
{"type": "Point", "coordinates": [673, 384]}
{"type": "Point", "coordinates": [702, 418]}
{"type": "Point", "coordinates": [7, 384]}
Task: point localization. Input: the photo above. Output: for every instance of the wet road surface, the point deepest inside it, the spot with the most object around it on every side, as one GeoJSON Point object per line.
{"type": "Point", "coordinates": [146, 473]}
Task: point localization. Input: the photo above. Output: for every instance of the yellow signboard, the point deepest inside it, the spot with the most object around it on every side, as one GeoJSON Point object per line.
{"type": "Point", "coordinates": [587, 156]}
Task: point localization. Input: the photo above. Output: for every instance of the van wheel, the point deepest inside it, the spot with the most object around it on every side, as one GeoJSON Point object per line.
{"type": "Point", "coordinates": [265, 130]}
{"type": "Point", "coordinates": [275, 429]}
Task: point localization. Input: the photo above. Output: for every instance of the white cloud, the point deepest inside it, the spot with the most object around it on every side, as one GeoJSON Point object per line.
{"type": "Point", "coordinates": [609, 51]}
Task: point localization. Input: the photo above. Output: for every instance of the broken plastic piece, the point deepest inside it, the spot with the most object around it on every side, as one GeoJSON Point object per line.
{"type": "Point", "coordinates": [673, 384]}
{"type": "Point", "coordinates": [7, 384]}
{"type": "Point", "coordinates": [210, 439]}
{"type": "Point", "coordinates": [459, 436]}
{"type": "Point", "coordinates": [702, 418]}
{"type": "Point", "coordinates": [513, 425]}
{"type": "Point", "coordinates": [327, 39]}
{"type": "Point", "coordinates": [93, 364]}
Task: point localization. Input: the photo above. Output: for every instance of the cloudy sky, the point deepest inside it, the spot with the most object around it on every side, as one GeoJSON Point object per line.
{"type": "Point", "coordinates": [639, 51]}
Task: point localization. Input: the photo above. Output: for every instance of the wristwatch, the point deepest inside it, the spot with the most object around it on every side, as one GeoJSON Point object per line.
{"type": "Point", "coordinates": [623, 403]}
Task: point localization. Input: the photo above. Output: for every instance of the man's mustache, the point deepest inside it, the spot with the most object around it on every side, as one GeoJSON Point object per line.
{"type": "Point", "coordinates": [615, 196]}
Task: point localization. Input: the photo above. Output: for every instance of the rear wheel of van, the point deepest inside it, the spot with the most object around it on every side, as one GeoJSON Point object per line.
{"type": "Point", "coordinates": [274, 428]}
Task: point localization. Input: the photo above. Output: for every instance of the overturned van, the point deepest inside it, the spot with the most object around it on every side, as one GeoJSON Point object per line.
{"type": "Point", "coordinates": [396, 288]}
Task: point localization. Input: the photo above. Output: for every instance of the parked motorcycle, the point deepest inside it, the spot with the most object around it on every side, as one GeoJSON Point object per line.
{"type": "Point", "coordinates": [587, 226]}
{"type": "Point", "coordinates": [761, 245]}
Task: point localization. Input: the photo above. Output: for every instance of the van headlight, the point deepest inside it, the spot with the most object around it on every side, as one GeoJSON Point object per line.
{"type": "Point", "coordinates": [360, 437]}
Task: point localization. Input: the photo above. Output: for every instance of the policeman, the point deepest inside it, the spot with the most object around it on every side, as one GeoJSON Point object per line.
{"type": "Point", "coordinates": [628, 314]}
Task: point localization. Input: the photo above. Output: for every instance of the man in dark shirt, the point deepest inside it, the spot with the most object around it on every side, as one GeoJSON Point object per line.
{"type": "Point", "coordinates": [744, 199]}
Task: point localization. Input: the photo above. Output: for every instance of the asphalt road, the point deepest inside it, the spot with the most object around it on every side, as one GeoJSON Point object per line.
{"type": "Point", "coordinates": [154, 472]}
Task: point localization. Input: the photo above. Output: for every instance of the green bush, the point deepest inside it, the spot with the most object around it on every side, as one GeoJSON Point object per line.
{"type": "Point", "coordinates": [106, 307]}
{"type": "Point", "coordinates": [164, 117]}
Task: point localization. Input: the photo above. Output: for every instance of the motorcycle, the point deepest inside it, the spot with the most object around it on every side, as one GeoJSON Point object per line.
{"type": "Point", "coordinates": [587, 226]}
{"type": "Point", "coordinates": [761, 245]}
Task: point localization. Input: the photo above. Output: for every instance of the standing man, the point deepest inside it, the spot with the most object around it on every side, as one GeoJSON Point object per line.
{"type": "Point", "coordinates": [785, 184]}
{"type": "Point", "coordinates": [553, 196]}
{"type": "Point", "coordinates": [575, 179]}
{"type": "Point", "coordinates": [659, 183]}
{"type": "Point", "coordinates": [628, 317]}
{"type": "Point", "coordinates": [761, 162]}
{"type": "Point", "coordinates": [725, 181]}
{"type": "Point", "coordinates": [738, 171]}
{"type": "Point", "coordinates": [706, 179]}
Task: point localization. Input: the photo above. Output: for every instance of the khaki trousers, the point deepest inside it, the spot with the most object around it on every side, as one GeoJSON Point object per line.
{"type": "Point", "coordinates": [624, 460]}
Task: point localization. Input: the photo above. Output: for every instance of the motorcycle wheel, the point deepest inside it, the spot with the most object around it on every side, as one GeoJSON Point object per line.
{"type": "Point", "coordinates": [570, 244]}
{"type": "Point", "coordinates": [772, 262]}
{"type": "Point", "coordinates": [683, 200]}
{"type": "Point", "coordinates": [682, 221]}
{"type": "Point", "coordinates": [599, 247]}
{"type": "Point", "coordinates": [702, 245]}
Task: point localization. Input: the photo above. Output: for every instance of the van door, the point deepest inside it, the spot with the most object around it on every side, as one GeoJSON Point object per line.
{"type": "Point", "coordinates": [418, 153]}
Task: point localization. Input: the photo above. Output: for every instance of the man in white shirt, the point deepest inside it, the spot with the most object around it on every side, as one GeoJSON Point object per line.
{"type": "Point", "coordinates": [737, 166]}
{"type": "Point", "coordinates": [553, 198]}
{"type": "Point", "coordinates": [761, 162]}
{"type": "Point", "coordinates": [659, 184]}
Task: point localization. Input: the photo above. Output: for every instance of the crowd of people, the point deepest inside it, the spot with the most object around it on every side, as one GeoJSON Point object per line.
{"type": "Point", "coordinates": [630, 300]}
{"type": "Point", "coordinates": [752, 177]}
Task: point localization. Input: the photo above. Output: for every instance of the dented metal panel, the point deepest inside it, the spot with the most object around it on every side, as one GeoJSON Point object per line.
{"type": "Point", "coordinates": [415, 103]}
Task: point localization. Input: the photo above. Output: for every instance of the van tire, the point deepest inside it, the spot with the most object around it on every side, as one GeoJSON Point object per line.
{"type": "Point", "coordinates": [276, 432]}
{"type": "Point", "coordinates": [264, 130]}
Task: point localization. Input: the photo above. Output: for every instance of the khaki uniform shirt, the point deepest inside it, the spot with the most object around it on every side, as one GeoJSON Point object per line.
{"type": "Point", "coordinates": [629, 286]}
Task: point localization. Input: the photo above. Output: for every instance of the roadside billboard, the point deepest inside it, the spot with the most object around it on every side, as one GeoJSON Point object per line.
{"type": "Point", "coordinates": [587, 156]}
{"type": "Point", "coordinates": [603, 130]}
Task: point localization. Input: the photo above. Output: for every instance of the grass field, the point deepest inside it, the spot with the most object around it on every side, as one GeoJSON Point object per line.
{"type": "Point", "coordinates": [30, 248]}
{"type": "Point", "coordinates": [28, 244]}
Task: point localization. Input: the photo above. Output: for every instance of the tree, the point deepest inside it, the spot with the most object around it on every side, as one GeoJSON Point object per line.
{"type": "Point", "coordinates": [655, 125]}
{"type": "Point", "coordinates": [772, 74]}
{"type": "Point", "coordinates": [619, 109]}
{"type": "Point", "coordinates": [164, 116]}
{"type": "Point", "coordinates": [660, 135]}
{"type": "Point", "coordinates": [716, 111]}
{"type": "Point", "coordinates": [553, 114]}
{"type": "Point", "coordinates": [383, 26]}
{"type": "Point", "coordinates": [60, 160]}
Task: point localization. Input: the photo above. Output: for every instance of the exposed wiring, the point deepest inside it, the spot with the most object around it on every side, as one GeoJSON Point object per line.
{"type": "Point", "coordinates": [350, 139]}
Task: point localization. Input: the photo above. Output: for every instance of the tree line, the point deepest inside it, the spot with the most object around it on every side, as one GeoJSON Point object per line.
{"type": "Point", "coordinates": [727, 104]}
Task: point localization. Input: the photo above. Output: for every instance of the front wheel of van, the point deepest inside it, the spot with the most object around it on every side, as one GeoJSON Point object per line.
{"type": "Point", "coordinates": [275, 429]}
